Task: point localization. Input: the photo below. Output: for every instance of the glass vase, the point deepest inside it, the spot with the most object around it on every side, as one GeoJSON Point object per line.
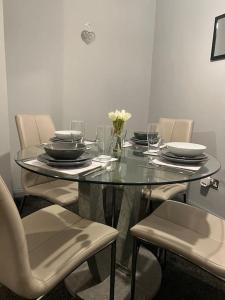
{"type": "Point", "coordinates": [117, 144]}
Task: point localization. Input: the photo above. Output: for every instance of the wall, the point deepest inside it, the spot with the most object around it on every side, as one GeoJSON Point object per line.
{"type": "Point", "coordinates": [4, 125]}
{"type": "Point", "coordinates": [185, 84]}
{"type": "Point", "coordinates": [34, 57]}
{"type": "Point", "coordinates": [114, 72]}
{"type": "Point", "coordinates": [51, 70]}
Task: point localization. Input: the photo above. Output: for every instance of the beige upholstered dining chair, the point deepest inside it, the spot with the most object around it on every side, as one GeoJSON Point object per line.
{"type": "Point", "coordinates": [171, 130]}
{"type": "Point", "coordinates": [34, 130]}
{"type": "Point", "coordinates": [188, 231]}
{"type": "Point", "coordinates": [40, 250]}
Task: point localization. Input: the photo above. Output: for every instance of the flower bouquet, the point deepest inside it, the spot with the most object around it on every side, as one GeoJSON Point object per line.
{"type": "Point", "coordinates": [118, 118]}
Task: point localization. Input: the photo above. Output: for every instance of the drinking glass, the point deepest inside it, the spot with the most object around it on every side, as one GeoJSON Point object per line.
{"type": "Point", "coordinates": [153, 138]}
{"type": "Point", "coordinates": [79, 126]}
{"type": "Point", "coordinates": [104, 142]}
{"type": "Point", "coordinates": [124, 137]}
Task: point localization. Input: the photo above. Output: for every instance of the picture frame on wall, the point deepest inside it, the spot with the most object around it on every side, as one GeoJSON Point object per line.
{"type": "Point", "coordinates": [218, 42]}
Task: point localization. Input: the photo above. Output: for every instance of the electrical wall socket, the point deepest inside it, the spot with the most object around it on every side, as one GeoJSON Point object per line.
{"type": "Point", "coordinates": [205, 182]}
{"type": "Point", "coordinates": [209, 182]}
{"type": "Point", "coordinates": [214, 183]}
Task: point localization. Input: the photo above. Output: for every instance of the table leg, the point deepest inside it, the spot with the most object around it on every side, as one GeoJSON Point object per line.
{"type": "Point", "coordinates": [114, 223]}
{"type": "Point", "coordinates": [127, 203]}
{"type": "Point", "coordinates": [131, 212]}
{"type": "Point", "coordinates": [99, 265]}
{"type": "Point", "coordinates": [91, 206]}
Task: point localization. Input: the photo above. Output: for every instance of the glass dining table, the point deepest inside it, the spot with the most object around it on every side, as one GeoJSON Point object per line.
{"type": "Point", "coordinates": [113, 195]}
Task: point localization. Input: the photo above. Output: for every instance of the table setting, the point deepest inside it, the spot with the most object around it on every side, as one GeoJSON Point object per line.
{"type": "Point", "coordinates": [186, 156]}
{"type": "Point", "coordinates": [113, 162]}
{"type": "Point", "coordinates": [68, 150]}
{"type": "Point", "coordinates": [71, 153]}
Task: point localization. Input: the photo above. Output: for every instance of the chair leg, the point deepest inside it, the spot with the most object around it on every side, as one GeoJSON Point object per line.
{"type": "Point", "coordinates": [185, 198]}
{"type": "Point", "coordinates": [136, 245]}
{"type": "Point", "coordinates": [113, 269]}
{"type": "Point", "coordinates": [22, 204]}
{"type": "Point", "coordinates": [161, 255]}
{"type": "Point", "coordinates": [150, 207]}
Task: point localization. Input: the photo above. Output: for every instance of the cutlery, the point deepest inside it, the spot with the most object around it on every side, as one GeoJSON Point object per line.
{"type": "Point", "coordinates": [169, 169]}
{"type": "Point", "coordinates": [105, 169]}
{"type": "Point", "coordinates": [92, 171]}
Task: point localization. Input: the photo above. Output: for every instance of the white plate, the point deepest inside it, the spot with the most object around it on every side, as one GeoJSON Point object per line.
{"type": "Point", "coordinates": [66, 134]}
{"type": "Point", "coordinates": [185, 149]}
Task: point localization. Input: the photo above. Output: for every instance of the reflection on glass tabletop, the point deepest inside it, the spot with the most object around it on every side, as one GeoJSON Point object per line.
{"type": "Point", "coordinates": [131, 168]}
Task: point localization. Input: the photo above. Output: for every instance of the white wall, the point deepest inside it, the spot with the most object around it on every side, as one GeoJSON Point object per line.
{"type": "Point", "coordinates": [4, 125]}
{"type": "Point", "coordinates": [185, 84]}
{"type": "Point", "coordinates": [114, 72]}
{"type": "Point", "coordinates": [51, 70]}
{"type": "Point", "coordinates": [34, 57]}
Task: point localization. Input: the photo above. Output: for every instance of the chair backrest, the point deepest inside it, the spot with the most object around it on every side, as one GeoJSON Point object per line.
{"type": "Point", "coordinates": [175, 130]}
{"type": "Point", "coordinates": [14, 260]}
{"type": "Point", "coordinates": [33, 130]}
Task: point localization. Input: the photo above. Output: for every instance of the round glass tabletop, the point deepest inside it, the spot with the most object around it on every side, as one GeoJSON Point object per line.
{"type": "Point", "coordinates": [131, 169]}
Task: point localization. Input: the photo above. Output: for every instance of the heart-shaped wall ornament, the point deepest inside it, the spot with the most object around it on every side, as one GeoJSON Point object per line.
{"type": "Point", "coordinates": [88, 36]}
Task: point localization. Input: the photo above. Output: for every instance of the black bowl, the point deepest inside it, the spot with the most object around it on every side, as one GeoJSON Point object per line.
{"type": "Point", "coordinates": [140, 135]}
{"type": "Point", "coordinates": [55, 139]}
{"type": "Point", "coordinates": [65, 150]}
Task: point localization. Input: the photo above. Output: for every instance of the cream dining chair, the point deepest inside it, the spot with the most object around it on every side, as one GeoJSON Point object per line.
{"type": "Point", "coordinates": [34, 130]}
{"type": "Point", "coordinates": [39, 251]}
{"type": "Point", "coordinates": [170, 130]}
{"type": "Point", "coordinates": [188, 231]}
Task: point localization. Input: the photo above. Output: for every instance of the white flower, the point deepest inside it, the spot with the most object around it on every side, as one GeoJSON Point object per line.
{"type": "Point", "coordinates": [119, 115]}
{"type": "Point", "coordinates": [112, 116]}
{"type": "Point", "coordinates": [125, 116]}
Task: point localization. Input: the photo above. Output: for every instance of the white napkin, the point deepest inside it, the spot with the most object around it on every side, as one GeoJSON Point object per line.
{"type": "Point", "coordinates": [126, 144]}
{"type": "Point", "coordinates": [178, 166]}
{"type": "Point", "coordinates": [99, 159]}
{"type": "Point", "coordinates": [70, 171]}
{"type": "Point", "coordinates": [152, 152]}
{"type": "Point", "coordinates": [89, 142]}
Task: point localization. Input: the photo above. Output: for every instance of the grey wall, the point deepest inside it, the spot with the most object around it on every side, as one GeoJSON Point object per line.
{"type": "Point", "coordinates": [114, 72]}
{"type": "Point", "coordinates": [34, 59]}
{"type": "Point", "coordinates": [4, 125]}
{"type": "Point", "coordinates": [185, 84]}
{"type": "Point", "coordinates": [50, 69]}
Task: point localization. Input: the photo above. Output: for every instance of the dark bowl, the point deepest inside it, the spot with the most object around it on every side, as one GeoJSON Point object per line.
{"type": "Point", "coordinates": [140, 135]}
{"type": "Point", "coordinates": [76, 139]}
{"type": "Point", "coordinates": [65, 150]}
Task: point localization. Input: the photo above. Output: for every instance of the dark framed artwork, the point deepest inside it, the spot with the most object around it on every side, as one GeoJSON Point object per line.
{"type": "Point", "coordinates": [218, 43]}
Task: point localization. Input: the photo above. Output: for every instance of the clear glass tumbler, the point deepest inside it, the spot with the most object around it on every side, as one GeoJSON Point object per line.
{"type": "Point", "coordinates": [78, 127]}
{"type": "Point", "coordinates": [153, 138]}
{"type": "Point", "coordinates": [104, 142]}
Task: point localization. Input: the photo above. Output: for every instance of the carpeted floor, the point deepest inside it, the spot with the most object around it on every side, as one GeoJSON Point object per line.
{"type": "Point", "coordinates": [181, 280]}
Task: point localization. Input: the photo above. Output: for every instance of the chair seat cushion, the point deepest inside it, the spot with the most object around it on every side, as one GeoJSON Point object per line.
{"type": "Point", "coordinates": [59, 241]}
{"type": "Point", "coordinates": [58, 191]}
{"type": "Point", "coordinates": [167, 191]}
{"type": "Point", "coordinates": [188, 231]}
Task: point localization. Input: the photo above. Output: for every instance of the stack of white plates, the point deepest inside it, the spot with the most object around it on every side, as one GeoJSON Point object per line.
{"type": "Point", "coordinates": [185, 153]}
{"type": "Point", "coordinates": [66, 136]}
